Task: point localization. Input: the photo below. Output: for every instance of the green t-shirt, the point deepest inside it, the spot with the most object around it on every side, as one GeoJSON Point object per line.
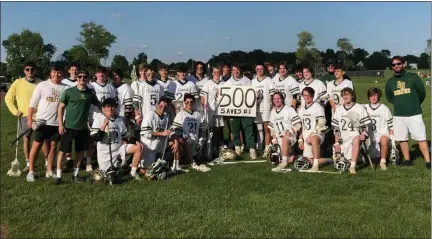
{"type": "Point", "coordinates": [78, 104]}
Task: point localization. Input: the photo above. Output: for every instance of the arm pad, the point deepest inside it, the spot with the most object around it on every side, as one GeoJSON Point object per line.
{"type": "Point", "coordinates": [297, 127]}
{"type": "Point", "coordinates": [321, 122]}
{"type": "Point", "coordinates": [98, 136]}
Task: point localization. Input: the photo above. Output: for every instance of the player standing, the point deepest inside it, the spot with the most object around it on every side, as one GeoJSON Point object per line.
{"type": "Point", "coordinates": [135, 87]}
{"type": "Point", "coordinates": [335, 87]}
{"type": "Point", "coordinates": [199, 79]}
{"type": "Point", "coordinates": [319, 88]}
{"type": "Point", "coordinates": [169, 90]}
{"type": "Point", "coordinates": [182, 86]}
{"type": "Point", "coordinates": [287, 85]}
{"type": "Point", "coordinates": [124, 96]}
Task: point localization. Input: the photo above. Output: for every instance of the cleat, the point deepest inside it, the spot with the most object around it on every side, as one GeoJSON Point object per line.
{"type": "Point", "coordinates": [352, 171]}
{"type": "Point", "coordinates": [89, 168]}
{"type": "Point", "coordinates": [30, 177]}
{"type": "Point", "coordinates": [57, 181]}
{"type": "Point", "coordinates": [383, 166]}
{"type": "Point", "coordinates": [26, 169]}
{"type": "Point", "coordinates": [253, 154]}
{"type": "Point", "coordinates": [50, 175]}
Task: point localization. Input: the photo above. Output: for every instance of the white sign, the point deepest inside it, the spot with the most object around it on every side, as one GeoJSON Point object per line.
{"type": "Point", "coordinates": [239, 101]}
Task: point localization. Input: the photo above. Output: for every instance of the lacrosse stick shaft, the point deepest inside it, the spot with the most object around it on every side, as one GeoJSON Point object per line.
{"type": "Point", "coordinates": [16, 147]}
{"type": "Point", "coordinates": [19, 137]}
{"type": "Point", "coordinates": [166, 141]}
{"type": "Point", "coordinates": [109, 144]}
{"type": "Point", "coordinates": [208, 135]}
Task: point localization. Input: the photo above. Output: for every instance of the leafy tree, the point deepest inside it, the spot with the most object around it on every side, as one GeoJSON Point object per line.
{"type": "Point", "coordinates": [141, 58]}
{"type": "Point", "coordinates": [96, 40]}
{"type": "Point", "coordinates": [156, 63]}
{"type": "Point", "coordinates": [377, 61]}
{"type": "Point", "coordinates": [120, 62]}
{"type": "Point", "coordinates": [428, 51]}
{"type": "Point", "coordinates": [424, 61]}
{"type": "Point", "coordinates": [359, 54]}
{"type": "Point", "coordinates": [3, 70]}
{"type": "Point", "coordinates": [346, 49]}
{"type": "Point", "coordinates": [329, 54]}
{"type": "Point", "coordinates": [386, 53]}
{"type": "Point", "coordinates": [28, 46]}
{"type": "Point", "coordinates": [411, 59]}
{"type": "Point", "coordinates": [306, 53]}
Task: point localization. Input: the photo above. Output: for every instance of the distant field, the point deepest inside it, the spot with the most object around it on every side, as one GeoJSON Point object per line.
{"type": "Point", "coordinates": [231, 201]}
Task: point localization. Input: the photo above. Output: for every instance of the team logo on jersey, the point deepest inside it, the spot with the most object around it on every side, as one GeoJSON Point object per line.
{"type": "Point", "coordinates": [82, 96]}
{"type": "Point", "coordinates": [55, 96]}
{"type": "Point", "coordinates": [402, 90]}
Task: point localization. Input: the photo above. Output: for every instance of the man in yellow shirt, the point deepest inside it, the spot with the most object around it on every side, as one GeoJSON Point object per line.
{"type": "Point", "coordinates": [21, 91]}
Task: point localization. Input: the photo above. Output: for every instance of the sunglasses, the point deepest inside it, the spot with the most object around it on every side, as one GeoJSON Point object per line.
{"type": "Point", "coordinates": [82, 77]}
{"type": "Point", "coordinates": [397, 64]}
{"type": "Point", "coordinates": [29, 69]}
{"type": "Point", "coordinates": [331, 65]}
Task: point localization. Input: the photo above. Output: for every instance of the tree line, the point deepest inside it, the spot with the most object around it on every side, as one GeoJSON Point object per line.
{"type": "Point", "coordinates": [95, 40]}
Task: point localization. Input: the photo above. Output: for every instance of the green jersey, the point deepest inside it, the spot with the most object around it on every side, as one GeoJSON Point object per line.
{"type": "Point", "coordinates": [78, 104]}
{"type": "Point", "coordinates": [406, 92]}
{"type": "Point", "coordinates": [327, 78]}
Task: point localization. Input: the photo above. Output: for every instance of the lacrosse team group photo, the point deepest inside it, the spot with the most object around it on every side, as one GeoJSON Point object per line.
{"type": "Point", "coordinates": [188, 129]}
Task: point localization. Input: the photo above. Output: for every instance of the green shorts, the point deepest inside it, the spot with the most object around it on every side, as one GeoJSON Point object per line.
{"type": "Point", "coordinates": [46, 132]}
{"type": "Point", "coordinates": [81, 140]}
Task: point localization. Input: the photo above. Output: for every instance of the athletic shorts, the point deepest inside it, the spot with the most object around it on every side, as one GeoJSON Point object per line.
{"type": "Point", "coordinates": [217, 121]}
{"type": "Point", "coordinates": [47, 132]}
{"type": "Point", "coordinates": [410, 124]}
{"type": "Point", "coordinates": [292, 139]}
{"type": "Point", "coordinates": [118, 156]}
{"type": "Point", "coordinates": [307, 151]}
{"type": "Point", "coordinates": [81, 138]}
{"type": "Point", "coordinates": [23, 127]}
{"type": "Point", "coordinates": [149, 155]}
{"type": "Point", "coordinates": [374, 147]}
{"type": "Point", "coordinates": [262, 117]}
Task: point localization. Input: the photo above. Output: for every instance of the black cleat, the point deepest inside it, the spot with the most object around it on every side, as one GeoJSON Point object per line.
{"type": "Point", "coordinates": [428, 166]}
{"type": "Point", "coordinates": [57, 181]}
{"type": "Point", "coordinates": [406, 163]}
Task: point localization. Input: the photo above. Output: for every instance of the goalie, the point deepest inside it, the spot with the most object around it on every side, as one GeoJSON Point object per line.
{"type": "Point", "coordinates": [313, 128]}
{"type": "Point", "coordinates": [350, 123]}
{"type": "Point", "coordinates": [284, 125]}
{"type": "Point", "coordinates": [118, 148]}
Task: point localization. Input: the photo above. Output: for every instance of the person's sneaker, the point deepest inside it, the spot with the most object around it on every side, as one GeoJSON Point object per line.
{"type": "Point", "coordinates": [352, 171]}
{"type": "Point", "coordinates": [161, 176]}
{"type": "Point", "coordinates": [89, 168]}
{"type": "Point", "coordinates": [238, 150]}
{"type": "Point", "coordinates": [69, 165]}
{"type": "Point", "coordinates": [136, 177]}
{"type": "Point", "coordinates": [57, 181]}
{"type": "Point", "coordinates": [77, 179]}
{"type": "Point", "coordinates": [266, 151]}
{"type": "Point", "coordinates": [281, 166]}
{"type": "Point", "coordinates": [428, 166]}
{"type": "Point", "coordinates": [26, 169]}
{"type": "Point", "coordinates": [50, 175]}
{"type": "Point", "coordinates": [314, 168]}
{"type": "Point", "coordinates": [406, 163]}
{"type": "Point", "coordinates": [30, 177]}
{"type": "Point", "coordinates": [253, 154]}
{"type": "Point", "coordinates": [383, 166]}
{"type": "Point", "coordinates": [179, 169]}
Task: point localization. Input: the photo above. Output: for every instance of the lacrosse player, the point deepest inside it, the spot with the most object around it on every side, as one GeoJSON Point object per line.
{"type": "Point", "coordinates": [381, 127]}
{"type": "Point", "coordinates": [149, 93]}
{"type": "Point", "coordinates": [45, 98]}
{"type": "Point", "coordinates": [76, 101]}
{"type": "Point", "coordinates": [299, 74]}
{"type": "Point", "coordinates": [334, 87]}
{"type": "Point", "coordinates": [153, 133]}
{"type": "Point", "coordinates": [271, 72]}
{"type": "Point", "coordinates": [124, 96]}
{"type": "Point", "coordinates": [287, 85]}
{"type": "Point", "coordinates": [350, 122]}
{"type": "Point", "coordinates": [209, 99]}
{"type": "Point", "coordinates": [241, 122]}
{"type": "Point", "coordinates": [169, 90]}
{"type": "Point", "coordinates": [264, 89]}
{"type": "Point", "coordinates": [109, 123]}
{"type": "Point", "coordinates": [284, 125]}
{"type": "Point", "coordinates": [183, 86]}
{"type": "Point", "coordinates": [406, 91]}
{"type": "Point", "coordinates": [199, 79]}
{"type": "Point", "coordinates": [135, 87]}
{"type": "Point", "coordinates": [226, 74]}
{"type": "Point", "coordinates": [320, 91]}
{"type": "Point", "coordinates": [189, 123]}
{"type": "Point", "coordinates": [313, 128]}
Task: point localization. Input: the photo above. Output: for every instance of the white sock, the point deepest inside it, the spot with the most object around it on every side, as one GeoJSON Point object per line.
{"type": "Point", "coordinates": [353, 164]}
{"type": "Point", "coordinates": [76, 171]}
{"type": "Point", "coordinates": [28, 162]}
{"type": "Point", "coordinates": [267, 147]}
{"type": "Point", "coordinates": [68, 158]}
{"type": "Point", "coordinates": [59, 173]}
{"type": "Point", "coordinates": [30, 172]}
{"type": "Point", "coordinates": [383, 160]}
{"type": "Point", "coordinates": [315, 162]}
{"type": "Point", "coordinates": [284, 159]}
{"type": "Point", "coordinates": [133, 171]}
{"type": "Point", "coordinates": [176, 164]}
{"type": "Point", "coordinates": [88, 160]}
{"type": "Point", "coordinates": [46, 162]}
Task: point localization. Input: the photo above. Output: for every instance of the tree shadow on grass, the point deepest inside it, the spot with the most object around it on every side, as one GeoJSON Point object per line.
{"type": "Point", "coordinates": [415, 151]}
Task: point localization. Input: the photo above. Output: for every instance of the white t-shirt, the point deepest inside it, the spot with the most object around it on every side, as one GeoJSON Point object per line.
{"type": "Point", "coordinates": [182, 88]}
{"type": "Point", "coordinates": [209, 93]}
{"type": "Point", "coordinates": [288, 86]}
{"type": "Point", "coordinates": [124, 98]}
{"type": "Point", "coordinates": [149, 95]}
{"type": "Point", "coordinates": [381, 119]}
{"type": "Point", "coordinates": [69, 82]}
{"type": "Point", "coordinates": [102, 92]}
{"type": "Point", "coordinates": [46, 98]}
{"type": "Point", "coordinates": [334, 90]}
{"type": "Point", "coordinates": [189, 122]}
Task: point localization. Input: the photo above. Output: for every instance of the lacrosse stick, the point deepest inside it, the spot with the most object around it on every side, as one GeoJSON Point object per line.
{"type": "Point", "coordinates": [36, 125]}
{"type": "Point", "coordinates": [310, 171]}
{"type": "Point", "coordinates": [355, 121]}
{"type": "Point", "coordinates": [209, 136]}
{"type": "Point", "coordinates": [111, 170]}
{"type": "Point", "coordinates": [166, 139]}
{"type": "Point", "coordinates": [14, 170]}
{"type": "Point", "coordinates": [394, 153]}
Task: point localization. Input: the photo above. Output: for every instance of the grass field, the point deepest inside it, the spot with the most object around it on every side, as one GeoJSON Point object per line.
{"type": "Point", "coordinates": [235, 201]}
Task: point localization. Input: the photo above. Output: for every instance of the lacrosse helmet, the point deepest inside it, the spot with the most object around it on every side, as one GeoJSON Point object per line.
{"type": "Point", "coordinates": [159, 166]}
{"type": "Point", "coordinates": [301, 163]}
{"type": "Point", "coordinates": [98, 177]}
{"type": "Point", "coordinates": [274, 154]}
{"type": "Point", "coordinates": [227, 154]}
{"type": "Point", "coordinates": [342, 164]}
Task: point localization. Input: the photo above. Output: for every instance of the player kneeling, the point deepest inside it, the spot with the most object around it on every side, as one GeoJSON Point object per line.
{"type": "Point", "coordinates": [284, 125]}
{"type": "Point", "coordinates": [111, 135]}
{"type": "Point", "coordinates": [313, 128]}
{"type": "Point", "coordinates": [381, 127]}
{"type": "Point", "coordinates": [350, 123]}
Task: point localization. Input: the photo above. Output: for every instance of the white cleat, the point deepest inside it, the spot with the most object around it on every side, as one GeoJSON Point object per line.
{"type": "Point", "coordinates": [50, 175]}
{"type": "Point", "coordinates": [253, 154]}
{"type": "Point", "coordinates": [282, 166]}
{"type": "Point", "coordinates": [314, 168]}
{"type": "Point", "coordinates": [238, 150]}
{"type": "Point", "coordinates": [266, 151]}
{"type": "Point", "coordinates": [352, 171]}
{"type": "Point", "coordinates": [89, 168]}
{"type": "Point", "coordinates": [30, 177]}
{"type": "Point", "coordinates": [383, 166]}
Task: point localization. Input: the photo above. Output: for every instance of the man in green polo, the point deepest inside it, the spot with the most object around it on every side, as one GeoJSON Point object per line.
{"type": "Point", "coordinates": [406, 92]}
{"type": "Point", "coordinates": [76, 101]}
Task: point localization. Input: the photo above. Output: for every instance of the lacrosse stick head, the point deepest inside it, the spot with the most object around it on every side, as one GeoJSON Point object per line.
{"type": "Point", "coordinates": [227, 154]}
{"type": "Point", "coordinates": [14, 170]}
{"type": "Point", "coordinates": [134, 76]}
{"type": "Point", "coordinates": [301, 163]}
{"type": "Point", "coordinates": [38, 124]}
{"type": "Point", "coordinates": [354, 117]}
{"type": "Point", "coordinates": [178, 106]}
{"type": "Point", "coordinates": [342, 164]}
{"type": "Point", "coordinates": [274, 154]}
{"type": "Point", "coordinates": [394, 154]}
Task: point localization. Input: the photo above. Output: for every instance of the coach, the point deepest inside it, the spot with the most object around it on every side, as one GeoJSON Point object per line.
{"type": "Point", "coordinates": [406, 92]}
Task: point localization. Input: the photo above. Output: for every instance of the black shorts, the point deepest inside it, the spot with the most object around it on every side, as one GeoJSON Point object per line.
{"type": "Point", "coordinates": [81, 140]}
{"type": "Point", "coordinates": [47, 132]}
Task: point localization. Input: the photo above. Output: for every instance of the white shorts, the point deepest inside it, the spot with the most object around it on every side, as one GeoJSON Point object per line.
{"type": "Point", "coordinates": [262, 117]}
{"type": "Point", "coordinates": [149, 156]}
{"type": "Point", "coordinates": [346, 149]}
{"type": "Point", "coordinates": [292, 139]}
{"type": "Point", "coordinates": [307, 151]}
{"type": "Point", "coordinates": [375, 146]}
{"type": "Point", "coordinates": [218, 121]}
{"type": "Point", "coordinates": [411, 124]}
{"type": "Point", "coordinates": [104, 160]}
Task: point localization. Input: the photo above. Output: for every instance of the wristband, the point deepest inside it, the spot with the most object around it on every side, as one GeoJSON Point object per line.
{"type": "Point", "coordinates": [300, 140]}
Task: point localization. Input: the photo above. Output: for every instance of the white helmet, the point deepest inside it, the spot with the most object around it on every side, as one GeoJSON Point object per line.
{"type": "Point", "coordinates": [342, 164]}
{"type": "Point", "coordinates": [227, 155]}
{"type": "Point", "coordinates": [301, 163]}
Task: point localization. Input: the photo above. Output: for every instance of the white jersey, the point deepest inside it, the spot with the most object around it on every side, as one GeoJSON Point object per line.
{"type": "Point", "coordinates": [117, 131]}
{"type": "Point", "coordinates": [192, 78]}
{"type": "Point", "coordinates": [334, 90]}
{"type": "Point", "coordinates": [182, 88]}
{"type": "Point", "coordinates": [135, 84]}
{"type": "Point", "coordinates": [309, 117]}
{"type": "Point", "coordinates": [102, 92]}
{"type": "Point", "coordinates": [264, 91]}
{"type": "Point", "coordinates": [346, 127]}
{"type": "Point", "coordinates": [244, 81]}
{"type": "Point", "coordinates": [381, 119]}
{"type": "Point", "coordinates": [69, 82]}
{"type": "Point", "coordinates": [318, 86]}
{"type": "Point", "coordinates": [189, 123]}
{"type": "Point", "coordinates": [169, 88]}
{"type": "Point", "coordinates": [148, 95]}
{"type": "Point", "coordinates": [124, 98]}
{"type": "Point", "coordinates": [46, 98]}
{"type": "Point", "coordinates": [288, 86]}
{"type": "Point", "coordinates": [209, 93]}
{"type": "Point", "coordinates": [151, 123]}
{"type": "Point", "coordinates": [283, 120]}
{"type": "Point", "coordinates": [199, 85]}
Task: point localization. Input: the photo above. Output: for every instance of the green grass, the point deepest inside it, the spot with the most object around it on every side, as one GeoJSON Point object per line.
{"type": "Point", "coordinates": [240, 201]}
